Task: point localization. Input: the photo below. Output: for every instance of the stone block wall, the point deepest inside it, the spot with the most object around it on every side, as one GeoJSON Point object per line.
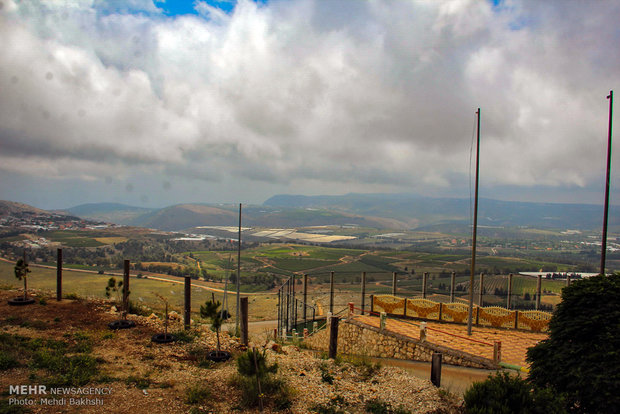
{"type": "Point", "coordinates": [356, 338]}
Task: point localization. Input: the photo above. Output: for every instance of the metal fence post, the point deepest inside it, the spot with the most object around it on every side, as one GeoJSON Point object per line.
{"type": "Point", "coordinates": [509, 298]}
{"type": "Point", "coordinates": [452, 286]}
{"type": "Point", "coordinates": [244, 320]}
{"type": "Point", "coordinates": [538, 291]}
{"type": "Point", "coordinates": [331, 292]}
{"type": "Point", "coordinates": [393, 283]}
{"type": "Point", "coordinates": [305, 297]}
{"type": "Point", "coordinates": [480, 295]}
{"type": "Point", "coordinates": [188, 302]}
{"type": "Point", "coordinates": [363, 291]}
{"type": "Point", "coordinates": [125, 288]}
{"type": "Point", "coordinates": [333, 337]}
{"type": "Point", "coordinates": [59, 275]}
{"type": "Point", "coordinates": [436, 369]}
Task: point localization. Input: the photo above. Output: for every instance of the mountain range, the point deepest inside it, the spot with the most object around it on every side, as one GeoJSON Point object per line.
{"type": "Point", "coordinates": [384, 211]}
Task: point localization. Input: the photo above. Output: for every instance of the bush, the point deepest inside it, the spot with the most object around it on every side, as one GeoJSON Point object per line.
{"type": "Point", "coordinates": [7, 361]}
{"type": "Point", "coordinates": [197, 394]}
{"type": "Point", "coordinates": [376, 406]}
{"type": "Point", "coordinates": [505, 394]}
{"type": "Point", "coordinates": [580, 359]}
{"type": "Point", "coordinates": [253, 368]}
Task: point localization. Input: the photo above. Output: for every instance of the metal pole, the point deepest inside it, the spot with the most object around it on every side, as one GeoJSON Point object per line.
{"type": "Point", "coordinates": [279, 314]}
{"type": "Point", "coordinates": [538, 291]}
{"type": "Point", "coordinates": [604, 241]}
{"type": "Point", "coordinates": [509, 296]}
{"type": "Point", "coordinates": [238, 269]}
{"type": "Point", "coordinates": [331, 292]}
{"type": "Point", "coordinates": [188, 302]}
{"type": "Point", "coordinates": [481, 293]}
{"type": "Point", "coordinates": [288, 287]}
{"type": "Point", "coordinates": [424, 284]}
{"type": "Point", "coordinates": [305, 298]}
{"type": "Point", "coordinates": [363, 291]}
{"type": "Point", "coordinates": [125, 288]}
{"type": "Point", "coordinates": [393, 283]}
{"type": "Point", "coordinates": [59, 275]}
{"type": "Point", "coordinates": [244, 321]}
{"type": "Point", "coordinates": [473, 244]}
{"type": "Point", "coordinates": [452, 286]}
{"type": "Point", "coordinates": [294, 316]}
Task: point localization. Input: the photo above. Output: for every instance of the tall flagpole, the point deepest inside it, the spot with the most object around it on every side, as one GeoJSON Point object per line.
{"type": "Point", "coordinates": [238, 268]}
{"type": "Point", "coordinates": [475, 231]}
{"type": "Point", "coordinates": [606, 213]}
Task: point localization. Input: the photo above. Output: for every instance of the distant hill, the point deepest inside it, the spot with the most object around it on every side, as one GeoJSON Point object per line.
{"type": "Point", "coordinates": [420, 211]}
{"type": "Point", "coordinates": [11, 207]}
{"type": "Point", "coordinates": [185, 216]}
{"type": "Point", "coordinates": [109, 212]}
{"type": "Point", "coordinates": [384, 211]}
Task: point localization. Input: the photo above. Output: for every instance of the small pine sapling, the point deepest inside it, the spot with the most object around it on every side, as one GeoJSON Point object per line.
{"type": "Point", "coordinates": [21, 272]}
{"type": "Point", "coordinates": [165, 313]}
{"type": "Point", "coordinates": [210, 311]}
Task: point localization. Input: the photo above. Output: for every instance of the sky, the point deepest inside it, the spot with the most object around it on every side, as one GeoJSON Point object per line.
{"type": "Point", "coordinates": [155, 103]}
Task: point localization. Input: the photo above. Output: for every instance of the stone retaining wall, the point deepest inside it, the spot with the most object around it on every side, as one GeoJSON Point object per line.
{"type": "Point", "coordinates": [356, 338]}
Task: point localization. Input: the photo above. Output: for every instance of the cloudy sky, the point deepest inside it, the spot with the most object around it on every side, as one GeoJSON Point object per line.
{"type": "Point", "coordinates": [154, 103]}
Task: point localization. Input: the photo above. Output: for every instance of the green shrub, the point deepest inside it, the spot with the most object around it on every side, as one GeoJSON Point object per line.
{"type": "Point", "coordinates": [248, 362]}
{"type": "Point", "coordinates": [335, 406]}
{"type": "Point", "coordinates": [7, 361]}
{"type": "Point", "coordinates": [274, 390]}
{"type": "Point", "coordinates": [580, 359]}
{"type": "Point", "coordinates": [376, 406]}
{"type": "Point", "coordinates": [185, 336]}
{"type": "Point", "coordinates": [253, 368]}
{"type": "Point", "coordinates": [197, 394]}
{"type": "Point", "coordinates": [138, 309]}
{"type": "Point", "coordinates": [139, 382]}
{"type": "Point", "coordinates": [6, 408]}
{"type": "Point", "coordinates": [503, 393]}
{"type": "Point", "coordinates": [326, 376]}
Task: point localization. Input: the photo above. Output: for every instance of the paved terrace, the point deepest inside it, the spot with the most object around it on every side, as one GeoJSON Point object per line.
{"type": "Point", "coordinates": [514, 343]}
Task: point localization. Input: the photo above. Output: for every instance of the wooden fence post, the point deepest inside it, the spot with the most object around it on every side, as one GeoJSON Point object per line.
{"type": "Point", "coordinates": [244, 320]}
{"type": "Point", "coordinates": [452, 286]}
{"type": "Point", "coordinates": [393, 283]}
{"type": "Point", "coordinates": [331, 292]}
{"type": "Point", "coordinates": [363, 291]}
{"type": "Point", "coordinates": [333, 337]}
{"type": "Point", "coordinates": [436, 369]}
{"type": "Point", "coordinates": [372, 303]}
{"type": "Point", "coordinates": [424, 282]}
{"type": "Point", "coordinates": [188, 302]}
{"type": "Point", "coordinates": [59, 275]}
{"type": "Point", "coordinates": [567, 280]}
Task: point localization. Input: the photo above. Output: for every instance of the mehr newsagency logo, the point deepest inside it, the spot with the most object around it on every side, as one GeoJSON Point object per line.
{"type": "Point", "coordinates": [30, 395]}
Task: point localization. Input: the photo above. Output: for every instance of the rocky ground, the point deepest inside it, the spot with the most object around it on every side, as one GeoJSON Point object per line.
{"type": "Point", "coordinates": [54, 343]}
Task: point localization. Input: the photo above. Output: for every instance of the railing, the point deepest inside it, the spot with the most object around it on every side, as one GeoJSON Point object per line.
{"type": "Point", "coordinates": [288, 309]}
{"type": "Point", "coordinates": [494, 316]}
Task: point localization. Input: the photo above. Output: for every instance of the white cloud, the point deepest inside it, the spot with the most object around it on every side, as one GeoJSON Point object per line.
{"type": "Point", "coordinates": [329, 95]}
